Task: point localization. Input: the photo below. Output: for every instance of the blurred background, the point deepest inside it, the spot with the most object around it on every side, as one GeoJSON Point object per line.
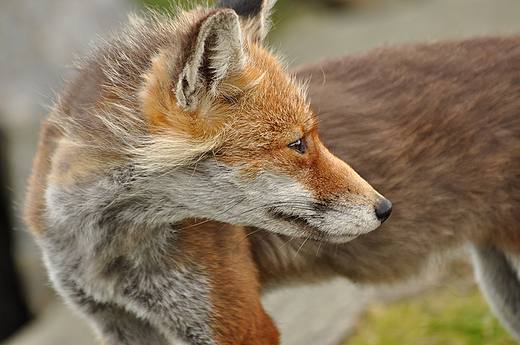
{"type": "Point", "coordinates": [38, 42]}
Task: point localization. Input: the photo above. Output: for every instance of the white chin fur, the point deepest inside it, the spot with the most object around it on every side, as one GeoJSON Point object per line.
{"type": "Point", "coordinates": [351, 223]}
{"type": "Point", "coordinates": [334, 226]}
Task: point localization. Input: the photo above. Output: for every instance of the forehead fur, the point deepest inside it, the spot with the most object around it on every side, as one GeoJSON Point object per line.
{"type": "Point", "coordinates": [123, 103]}
{"type": "Point", "coordinates": [276, 105]}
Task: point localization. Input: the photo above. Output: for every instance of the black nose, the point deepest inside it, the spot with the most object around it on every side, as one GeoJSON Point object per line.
{"type": "Point", "coordinates": [383, 210]}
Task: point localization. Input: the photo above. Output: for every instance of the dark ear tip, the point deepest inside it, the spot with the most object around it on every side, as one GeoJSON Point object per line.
{"type": "Point", "coordinates": [244, 8]}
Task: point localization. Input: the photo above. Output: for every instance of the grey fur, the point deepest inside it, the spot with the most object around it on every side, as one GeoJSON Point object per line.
{"type": "Point", "coordinates": [499, 281]}
{"type": "Point", "coordinates": [118, 286]}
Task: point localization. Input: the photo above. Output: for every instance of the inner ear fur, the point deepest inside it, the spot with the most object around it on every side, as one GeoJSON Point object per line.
{"type": "Point", "coordinates": [215, 56]}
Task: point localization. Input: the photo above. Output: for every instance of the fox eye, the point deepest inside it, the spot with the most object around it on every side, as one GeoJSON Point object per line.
{"type": "Point", "coordinates": [298, 146]}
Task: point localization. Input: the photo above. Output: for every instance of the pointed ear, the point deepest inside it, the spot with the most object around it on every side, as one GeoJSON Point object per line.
{"type": "Point", "coordinates": [254, 15]}
{"type": "Point", "coordinates": [215, 55]}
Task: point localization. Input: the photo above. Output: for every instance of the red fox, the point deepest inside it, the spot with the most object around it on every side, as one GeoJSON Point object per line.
{"type": "Point", "coordinates": [171, 127]}
{"type": "Point", "coordinates": [435, 127]}
{"type": "Point", "coordinates": [180, 174]}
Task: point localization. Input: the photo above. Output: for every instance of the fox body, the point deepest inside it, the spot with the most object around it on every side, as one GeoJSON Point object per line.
{"type": "Point", "coordinates": [180, 127]}
{"type": "Point", "coordinates": [170, 127]}
{"type": "Point", "coordinates": [436, 128]}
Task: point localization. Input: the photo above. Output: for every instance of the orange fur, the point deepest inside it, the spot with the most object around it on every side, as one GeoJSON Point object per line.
{"type": "Point", "coordinates": [222, 251]}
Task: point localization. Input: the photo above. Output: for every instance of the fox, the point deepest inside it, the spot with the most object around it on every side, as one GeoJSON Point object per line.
{"type": "Point", "coordinates": [176, 137]}
{"type": "Point", "coordinates": [180, 174]}
{"type": "Point", "coordinates": [435, 127]}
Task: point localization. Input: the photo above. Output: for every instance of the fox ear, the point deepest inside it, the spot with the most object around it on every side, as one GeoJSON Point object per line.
{"type": "Point", "coordinates": [216, 55]}
{"type": "Point", "coordinates": [254, 15]}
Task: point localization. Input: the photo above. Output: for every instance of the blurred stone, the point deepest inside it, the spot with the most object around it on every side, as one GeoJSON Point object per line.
{"type": "Point", "coordinates": [317, 314]}
{"type": "Point", "coordinates": [58, 325]}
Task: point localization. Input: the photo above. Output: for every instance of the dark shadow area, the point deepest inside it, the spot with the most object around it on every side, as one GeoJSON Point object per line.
{"type": "Point", "coordinates": [13, 310]}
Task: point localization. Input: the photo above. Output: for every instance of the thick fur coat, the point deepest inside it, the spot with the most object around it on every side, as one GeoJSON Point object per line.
{"type": "Point", "coordinates": [180, 174]}
{"type": "Point", "coordinates": [172, 126]}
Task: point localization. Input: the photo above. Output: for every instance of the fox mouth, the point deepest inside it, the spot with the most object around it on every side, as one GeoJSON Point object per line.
{"type": "Point", "coordinates": [299, 221]}
{"type": "Point", "coordinates": [306, 229]}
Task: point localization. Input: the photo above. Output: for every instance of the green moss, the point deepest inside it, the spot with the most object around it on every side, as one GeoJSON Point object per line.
{"type": "Point", "coordinates": [446, 316]}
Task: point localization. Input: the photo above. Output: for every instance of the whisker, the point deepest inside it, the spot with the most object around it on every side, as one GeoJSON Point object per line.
{"type": "Point", "coordinates": [319, 246]}
{"type": "Point", "coordinates": [287, 242]}
{"type": "Point", "coordinates": [308, 251]}
{"type": "Point", "coordinates": [237, 245]}
{"type": "Point", "coordinates": [193, 172]}
{"type": "Point", "coordinates": [245, 237]}
{"type": "Point", "coordinates": [263, 238]}
{"type": "Point", "coordinates": [293, 204]}
{"type": "Point", "coordinates": [195, 224]}
{"type": "Point", "coordinates": [303, 243]}
{"type": "Point", "coordinates": [209, 220]}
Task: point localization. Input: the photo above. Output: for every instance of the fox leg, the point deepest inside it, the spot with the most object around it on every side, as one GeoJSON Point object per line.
{"type": "Point", "coordinates": [498, 278]}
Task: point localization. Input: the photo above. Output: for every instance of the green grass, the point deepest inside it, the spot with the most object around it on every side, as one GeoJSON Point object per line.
{"type": "Point", "coordinates": [445, 316]}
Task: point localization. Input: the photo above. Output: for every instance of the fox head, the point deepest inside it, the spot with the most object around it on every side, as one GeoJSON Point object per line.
{"type": "Point", "coordinates": [193, 118]}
